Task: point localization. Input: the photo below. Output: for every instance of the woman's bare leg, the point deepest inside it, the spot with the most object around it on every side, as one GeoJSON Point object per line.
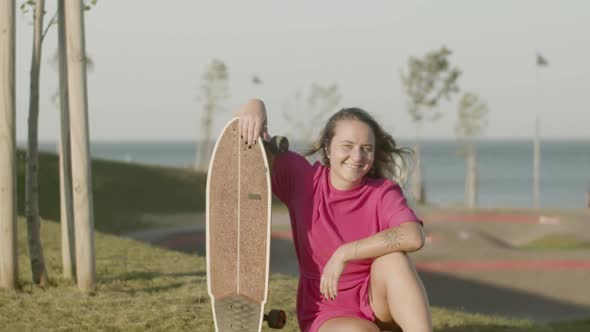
{"type": "Point", "coordinates": [348, 324]}
{"type": "Point", "coordinates": [397, 295]}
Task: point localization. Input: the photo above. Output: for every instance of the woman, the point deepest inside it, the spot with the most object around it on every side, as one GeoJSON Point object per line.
{"type": "Point", "coordinates": [351, 226]}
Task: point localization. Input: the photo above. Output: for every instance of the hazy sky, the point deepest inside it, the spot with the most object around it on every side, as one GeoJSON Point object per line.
{"type": "Point", "coordinates": [149, 56]}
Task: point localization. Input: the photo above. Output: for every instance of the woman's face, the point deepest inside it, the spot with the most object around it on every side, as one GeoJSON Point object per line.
{"type": "Point", "coordinates": [351, 153]}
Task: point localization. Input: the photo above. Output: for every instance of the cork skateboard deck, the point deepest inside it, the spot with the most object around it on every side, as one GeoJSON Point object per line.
{"type": "Point", "coordinates": [238, 232]}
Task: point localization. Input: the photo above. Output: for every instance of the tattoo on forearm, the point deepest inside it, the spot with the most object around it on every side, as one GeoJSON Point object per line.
{"type": "Point", "coordinates": [392, 238]}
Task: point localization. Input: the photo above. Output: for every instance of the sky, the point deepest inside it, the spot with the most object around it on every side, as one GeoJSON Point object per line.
{"type": "Point", "coordinates": [149, 57]}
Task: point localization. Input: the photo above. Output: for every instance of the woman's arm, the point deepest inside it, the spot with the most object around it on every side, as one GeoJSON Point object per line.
{"type": "Point", "coordinates": [407, 237]}
{"type": "Point", "coordinates": [253, 121]}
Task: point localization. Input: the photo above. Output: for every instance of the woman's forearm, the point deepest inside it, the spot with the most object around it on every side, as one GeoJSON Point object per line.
{"type": "Point", "coordinates": [407, 237]}
{"type": "Point", "coordinates": [252, 107]}
{"type": "Point", "coordinates": [253, 121]}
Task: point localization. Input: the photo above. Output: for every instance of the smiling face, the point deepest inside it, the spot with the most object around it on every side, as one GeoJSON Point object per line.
{"type": "Point", "coordinates": [351, 153]}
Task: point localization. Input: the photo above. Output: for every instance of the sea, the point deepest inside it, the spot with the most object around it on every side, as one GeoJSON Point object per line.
{"type": "Point", "coordinates": [504, 168]}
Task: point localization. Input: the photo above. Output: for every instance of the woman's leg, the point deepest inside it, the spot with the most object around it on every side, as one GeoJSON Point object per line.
{"type": "Point", "coordinates": [397, 295]}
{"type": "Point", "coordinates": [348, 324]}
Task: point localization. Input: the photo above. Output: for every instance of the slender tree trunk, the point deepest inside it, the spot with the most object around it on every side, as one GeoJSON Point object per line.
{"type": "Point", "coordinates": [536, 165]}
{"type": "Point", "coordinates": [38, 268]}
{"type": "Point", "coordinates": [418, 191]}
{"type": "Point", "coordinates": [207, 142]}
{"type": "Point", "coordinates": [537, 148]}
{"type": "Point", "coordinates": [197, 162]}
{"type": "Point", "coordinates": [8, 221]}
{"type": "Point", "coordinates": [471, 177]}
{"type": "Point", "coordinates": [81, 163]}
{"type": "Point", "coordinates": [65, 171]}
{"type": "Point", "coordinates": [205, 152]}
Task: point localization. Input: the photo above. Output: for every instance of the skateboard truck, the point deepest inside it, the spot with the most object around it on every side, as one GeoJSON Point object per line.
{"type": "Point", "coordinates": [276, 319]}
{"type": "Point", "coordinates": [277, 145]}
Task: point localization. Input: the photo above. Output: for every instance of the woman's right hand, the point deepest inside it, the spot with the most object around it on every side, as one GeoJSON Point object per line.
{"type": "Point", "coordinates": [253, 121]}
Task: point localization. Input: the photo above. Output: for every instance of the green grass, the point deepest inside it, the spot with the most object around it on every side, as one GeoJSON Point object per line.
{"type": "Point", "coordinates": [122, 192]}
{"type": "Point", "coordinates": [141, 287]}
{"type": "Point", "coordinates": [557, 242]}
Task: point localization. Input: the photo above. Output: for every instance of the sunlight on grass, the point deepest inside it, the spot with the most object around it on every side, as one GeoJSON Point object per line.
{"type": "Point", "coordinates": [556, 242]}
{"type": "Point", "coordinates": [141, 287]}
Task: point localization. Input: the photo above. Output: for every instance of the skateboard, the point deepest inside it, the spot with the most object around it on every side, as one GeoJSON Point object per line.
{"type": "Point", "coordinates": [238, 231]}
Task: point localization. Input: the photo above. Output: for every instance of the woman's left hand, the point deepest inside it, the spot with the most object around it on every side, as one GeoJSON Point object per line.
{"type": "Point", "coordinates": [332, 272]}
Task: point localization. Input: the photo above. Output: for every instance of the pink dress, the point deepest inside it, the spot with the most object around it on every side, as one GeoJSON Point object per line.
{"type": "Point", "coordinates": [322, 219]}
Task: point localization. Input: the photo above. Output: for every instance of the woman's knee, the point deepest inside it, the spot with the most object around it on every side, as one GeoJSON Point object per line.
{"type": "Point", "coordinates": [392, 262]}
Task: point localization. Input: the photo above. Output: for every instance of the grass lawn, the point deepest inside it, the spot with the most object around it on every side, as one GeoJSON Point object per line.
{"type": "Point", "coordinates": [557, 242]}
{"type": "Point", "coordinates": [123, 192]}
{"type": "Point", "coordinates": [141, 287]}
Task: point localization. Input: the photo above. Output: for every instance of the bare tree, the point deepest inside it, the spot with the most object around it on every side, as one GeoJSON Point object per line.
{"type": "Point", "coordinates": [60, 98]}
{"type": "Point", "coordinates": [214, 90]}
{"type": "Point", "coordinates": [428, 79]}
{"type": "Point", "coordinates": [317, 105]}
{"type": "Point", "coordinates": [471, 121]}
{"type": "Point", "coordinates": [541, 63]}
{"type": "Point", "coordinates": [8, 216]}
{"type": "Point", "coordinates": [80, 146]}
{"type": "Point", "coordinates": [65, 171]}
{"type": "Point", "coordinates": [38, 268]}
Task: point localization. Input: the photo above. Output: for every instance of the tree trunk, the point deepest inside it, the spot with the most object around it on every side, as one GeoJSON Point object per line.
{"type": "Point", "coordinates": [38, 268]}
{"type": "Point", "coordinates": [199, 155]}
{"type": "Point", "coordinates": [471, 177]}
{"type": "Point", "coordinates": [80, 147]}
{"type": "Point", "coordinates": [205, 153]}
{"type": "Point", "coordinates": [8, 221]}
{"type": "Point", "coordinates": [536, 165]}
{"type": "Point", "coordinates": [65, 171]}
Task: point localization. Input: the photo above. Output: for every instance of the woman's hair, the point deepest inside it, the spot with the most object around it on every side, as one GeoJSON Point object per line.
{"type": "Point", "coordinates": [390, 161]}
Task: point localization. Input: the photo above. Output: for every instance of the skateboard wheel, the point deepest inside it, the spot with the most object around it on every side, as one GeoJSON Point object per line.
{"type": "Point", "coordinates": [276, 319]}
{"type": "Point", "coordinates": [279, 144]}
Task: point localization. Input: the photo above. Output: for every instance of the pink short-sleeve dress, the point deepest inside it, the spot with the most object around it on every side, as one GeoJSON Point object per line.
{"type": "Point", "coordinates": [324, 218]}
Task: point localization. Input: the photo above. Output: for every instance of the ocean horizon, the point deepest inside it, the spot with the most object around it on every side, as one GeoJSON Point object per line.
{"type": "Point", "coordinates": [504, 167]}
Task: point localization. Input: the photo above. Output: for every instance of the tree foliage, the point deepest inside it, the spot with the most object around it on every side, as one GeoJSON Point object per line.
{"type": "Point", "coordinates": [427, 80]}
{"type": "Point", "coordinates": [213, 91]}
{"type": "Point", "coordinates": [214, 86]}
{"type": "Point", "coordinates": [307, 111]}
{"type": "Point", "coordinates": [472, 117]}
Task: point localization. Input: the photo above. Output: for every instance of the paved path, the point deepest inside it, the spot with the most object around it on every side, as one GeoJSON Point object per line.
{"type": "Point", "coordinates": [467, 265]}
